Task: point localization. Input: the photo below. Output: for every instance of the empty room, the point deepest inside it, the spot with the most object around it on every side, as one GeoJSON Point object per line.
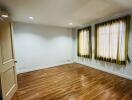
{"type": "Point", "coordinates": [65, 50]}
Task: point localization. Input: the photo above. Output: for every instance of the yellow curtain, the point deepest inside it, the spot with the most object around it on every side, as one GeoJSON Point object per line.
{"type": "Point", "coordinates": [112, 40]}
{"type": "Point", "coordinates": [84, 43]}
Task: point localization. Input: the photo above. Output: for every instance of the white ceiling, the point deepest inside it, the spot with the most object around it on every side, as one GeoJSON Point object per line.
{"type": "Point", "coordinates": [62, 12]}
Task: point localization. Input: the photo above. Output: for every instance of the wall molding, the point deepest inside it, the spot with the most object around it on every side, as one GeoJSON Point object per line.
{"type": "Point", "coordinates": [108, 71]}
{"type": "Point", "coordinates": [45, 67]}
{"type": "Point", "coordinates": [24, 70]}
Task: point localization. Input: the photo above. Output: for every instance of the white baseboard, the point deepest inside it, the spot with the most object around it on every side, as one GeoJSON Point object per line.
{"type": "Point", "coordinates": [24, 70]}
{"type": "Point", "coordinates": [111, 72]}
{"type": "Point", "coordinates": [43, 67]}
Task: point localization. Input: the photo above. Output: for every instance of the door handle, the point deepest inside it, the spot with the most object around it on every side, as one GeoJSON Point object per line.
{"type": "Point", "coordinates": [15, 61]}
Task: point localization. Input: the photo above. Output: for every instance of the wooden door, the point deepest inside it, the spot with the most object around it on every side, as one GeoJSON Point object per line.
{"type": "Point", "coordinates": [7, 63]}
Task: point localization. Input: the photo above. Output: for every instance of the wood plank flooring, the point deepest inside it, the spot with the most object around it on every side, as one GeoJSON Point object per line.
{"type": "Point", "coordinates": [72, 82]}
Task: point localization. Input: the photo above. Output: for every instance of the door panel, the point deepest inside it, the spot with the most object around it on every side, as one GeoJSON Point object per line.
{"type": "Point", "coordinates": [7, 68]}
{"type": "Point", "coordinates": [6, 43]}
{"type": "Point", "coordinates": [9, 79]}
{"type": "Point", "coordinates": [9, 75]}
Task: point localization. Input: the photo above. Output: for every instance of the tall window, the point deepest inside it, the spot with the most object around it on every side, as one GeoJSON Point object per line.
{"type": "Point", "coordinates": [84, 42]}
{"type": "Point", "coordinates": [111, 42]}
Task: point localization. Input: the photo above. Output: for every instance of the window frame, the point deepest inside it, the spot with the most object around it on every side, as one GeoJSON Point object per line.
{"type": "Point", "coordinates": [127, 18]}
{"type": "Point", "coordinates": [90, 42]}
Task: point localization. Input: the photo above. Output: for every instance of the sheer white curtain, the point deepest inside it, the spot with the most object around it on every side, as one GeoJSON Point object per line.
{"type": "Point", "coordinates": [111, 40]}
{"type": "Point", "coordinates": [84, 43]}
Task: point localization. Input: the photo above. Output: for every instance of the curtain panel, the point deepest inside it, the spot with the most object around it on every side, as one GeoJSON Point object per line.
{"type": "Point", "coordinates": [84, 42]}
{"type": "Point", "coordinates": [111, 40]}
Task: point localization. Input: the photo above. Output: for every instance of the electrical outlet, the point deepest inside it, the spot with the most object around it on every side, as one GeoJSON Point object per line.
{"type": "Point", "coordinates": [68, 60]}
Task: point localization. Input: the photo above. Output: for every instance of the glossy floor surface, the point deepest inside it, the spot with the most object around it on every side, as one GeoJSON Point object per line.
{"type": "Point", "coordinates": [72, 82]}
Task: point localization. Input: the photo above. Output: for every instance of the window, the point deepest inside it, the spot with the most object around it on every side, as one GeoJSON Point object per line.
{"type": "Point", "coordinates": [111, 40]}
{"type": "Point", "coordinates": [84, 42]}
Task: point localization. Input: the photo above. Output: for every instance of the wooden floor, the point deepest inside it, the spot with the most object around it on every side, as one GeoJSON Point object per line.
{"type": "Point", "coordinates": [72, 82]}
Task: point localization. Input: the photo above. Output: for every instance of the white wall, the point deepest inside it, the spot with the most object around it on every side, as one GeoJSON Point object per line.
{"type": "Point", "coordinates": [39, 46]}
{"type": "Point", "coordinates": [124, 71]}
